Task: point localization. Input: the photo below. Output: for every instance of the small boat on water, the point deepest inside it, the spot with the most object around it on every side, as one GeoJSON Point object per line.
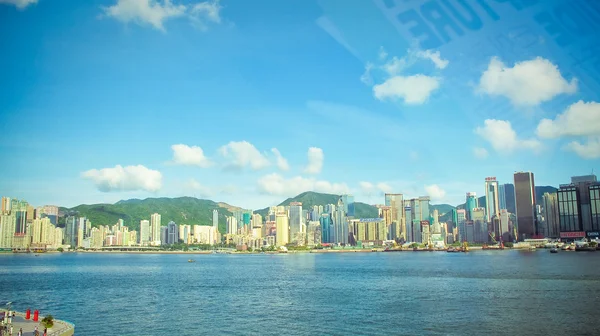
{"type": "Point", "coordinates": [191, 260]}
{"type": "Point", "coordinates": [554, 250]}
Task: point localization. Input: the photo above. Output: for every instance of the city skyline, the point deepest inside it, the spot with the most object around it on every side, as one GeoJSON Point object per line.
{"type": "Point", "coordinates": [205, 100]}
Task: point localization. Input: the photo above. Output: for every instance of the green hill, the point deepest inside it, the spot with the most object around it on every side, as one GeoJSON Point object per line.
{"type": "Point", "coordinates": [311, 198]}
{"type": "Point", "coordinates": [181, 210]}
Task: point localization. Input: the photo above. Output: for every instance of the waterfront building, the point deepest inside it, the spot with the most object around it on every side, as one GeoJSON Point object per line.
{"type": "Point", "coordinates": [164, 233]}
{"type": "Point", "coordinates": [215, 220]}
{"type": "Point", "coordinates": [155, 229]}
{"type": "Point", "coordinates": [409, 220]}
{"type": "Point", "coordinates": [144, 232]}
{"type": "Point", "coordinates": [172, 233]}
{"type": "Point", "coordinates": [579, 208]}
{"type": "Point", "coordinates": [5, 205]}
{"type": "Point", "coordinates": [231, 225]}
{"type": "Point", "coordinates": [371, 231]}
{"type": "Point", "coordinates": [480, 226]}
{"type": "Point", "coordinates": [348, 201]}
{"type": "Point", "coordinates": [203, 234]}
{"type": "Point", "coordinates": [461, 218]}
{"type": "Point", "coordinates": [340, 224]}
{"type": "Point", "coordinates": [505, 232]}
{"type": "Point", "coordinates": [525, 205]}
{"type": "Point", "coordinates": [296, 224]}
{"type": "Point", "coordinates": [326, 228]}
{"type": "Point", "coordinates": [313, 233]}
{"type": "Point", "coordinates": [397, 229]}
{"type": "Point", "coordinates": [8, 225]}
{"type": "Point", "coordinates": [471, 203]}
{"type": "Point", "coordinates": [502, 196]}
{"type": "Point", "coordinates": [282, 231]}
{"type": "Point", "coordinates": [492, 199]}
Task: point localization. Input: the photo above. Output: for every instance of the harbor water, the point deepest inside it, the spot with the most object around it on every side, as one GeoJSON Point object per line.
{"type": "Point", "coordinates": [430, 293]}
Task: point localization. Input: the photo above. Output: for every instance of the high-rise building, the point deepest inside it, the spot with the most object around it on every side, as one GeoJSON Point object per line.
{"type": "Point", "coordinates": [296, 224]}
{"type": "Point", "coordinates": [492, 199]}
{"type": "Point", "coordinates": [172, 233]}
{"type": "Point", "coordinates": [461, 217]}
{"type": "Point", "coordinates": [505, 232]}
{"type": "Point", "coordinates": [340, 224]}
{"type": "Point", "coordinates": [155, 229]}
{"type": "Point", "coordinates": [397, 230]}
{"type": "Point", "coordinates": [471, 203]}
{"type": "Point", "coordinates": [579, 208]}
{"type": "Point", "coordinates": [509, 196]}
{"type": "Point", "coordinates": [71, 231]}
{"type": "Point", "coordinates": [326, 227]}
{"type": "Point", "coordinates": [348, 205]}
{"type": "Point", "coordinates": [5, 205]}
{"type": "Point", "coordinates": [144, 232]}
{"type": "Point", "coordinates": [231, 225]}
{"type": "Point", "coordinates": [215, 220]}
{"type": "Point", "coordinates": [550, 211]}
{"type": "Point", "coordinates": [282, 230]}
{"type": "Point", "coordinates": [7, 229]}
{"type": "Point", "coordinates": [164, 233]}
{"type": "Point", "coordinates": [525, 205]}
{"type": "Point", "coordinates": [502, 196]}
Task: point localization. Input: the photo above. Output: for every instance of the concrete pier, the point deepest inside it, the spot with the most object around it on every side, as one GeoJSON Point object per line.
{"type": "Point", "coordinates": [60, 328]}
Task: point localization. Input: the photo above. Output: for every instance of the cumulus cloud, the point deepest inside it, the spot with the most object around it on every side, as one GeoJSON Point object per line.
{"type": "Point", "coordinates": [382, 53]}
{"type": "Point", "coordinates": [480, 152]}
{"type": "Point", "coordinates": [502, 137]}
{"type": "Point", "coordinates": [579, 119]}
{"type": "Point", "coordinates": [435, 192]}
{"type": "Point", "coordinates": [589, 150]}
{"type": "Point", "coordinates": [394, 66]}
{"type": "Point", "coordinates": [198, 189]}
{"type": "Point", "coordinates": [20, 4]}
{"type": "Point", "coordinates": [281, 161]}
{"type": "Point", "coordinates": [435, 57]}
{"type": "Point", "coordinates": [155, 12]}
{"type": "Point", "coordinates": [130, 178]}
{"type": "Point", "coordinates": [315, 160]}
{"type": "Point", "coordinates": [366, 76]}
{"type": "Point", "coordinates": [190, 156]}
{"type": "Point", "coordinates": [242, 154]}
{"type": "Point", "coordinates": [370, 188]}
{"type": "Point", "coordinates": [527, 83]}
{"type": "Point", "coordinates": [275, 184]}
{"type": "Point", "coordinates": [413, 90]}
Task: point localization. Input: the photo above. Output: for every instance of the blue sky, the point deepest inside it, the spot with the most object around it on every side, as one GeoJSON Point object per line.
{"type": "Point", "coordinates": [250, 102]}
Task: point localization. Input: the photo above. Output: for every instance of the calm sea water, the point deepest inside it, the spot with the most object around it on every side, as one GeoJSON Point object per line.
{"type": "Point", "coordinates": [495, 292]}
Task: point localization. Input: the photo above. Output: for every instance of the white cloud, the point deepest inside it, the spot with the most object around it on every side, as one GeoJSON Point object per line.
{"type": "Point", "coordinates": [366, 76]}
{"type": "Point", "coordinates": [128, 178]}
{"type": "Point", "coordinates": [157, 12]}
{"type": "Point", "coordinates": [20, 4]}
{"type": "Point", "coordinates": [589, 150]}
{"type": "Point", "coordinates": [198, 189]}
{"type": "Point", "coordinates": [315, 160]}
{"type": "Point", "coordinates": [382, 53]}
{"type": "Point", "coordinates": [242, 154]}
{"type": "Point", "coordinates": [435, 57]}
{"type": "Point", "coordinates": [435, 192]}
{"type": "Point", "coordinates": [579, 119]}
{"type": "Point", "coordinates": [413, 90]}
{"type": "Point", "coordinates": [480, 152]}
{"type": "Point", "coordinates": [370, 188]}
{"type": "Point", "coordinates": [502, 137]}
{"type": "Point", "coordinates": [281, 161]}
{"type": "Point", "coordinates": [275, 184]}
{"type": "Point", "coordinates": [527, 83]}
{"type": "Point", "coordinates": [395, 66]}
{"type": "Point", "coordinates": [190, 156]}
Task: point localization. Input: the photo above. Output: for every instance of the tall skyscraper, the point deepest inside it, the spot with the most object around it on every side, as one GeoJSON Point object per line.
{"type": "Point", "coordinates": [550, 211]}
{"type": "Point", "coordinates": [502, 196]}
{"type": "Point", "coordinates": [525, 205]}
{"type": "Point", "coordinates": [5, 205]}
{"type": "Point", "coordinates": [492, 200]}
{"type": "Point", "coordinates": [215, 220]}
{"type": "Point", "coordinates": [348, 205]}
{"type": "Point", "coordinates": [326, 228]}
{"type": "Point", "coordinates": [471, 203]}
{"type": "Point", "coordinates": [296, 223]}
{"type": "Point", "coordinates": [509, 196]}
{"type": "Point", "coordinates": [579, 207]}
{"type": "Point", "coordinates": [155, 229]}
{"type": "Point", "coordinates": [172, 233]}
{"type": "Point", "coordinates": [144, 232]}
{"type": "Point", "coordinates": [282, 229]}
{"type": "Point", "coordinates": [398, 228]}
{"type": "Point", "coordinates": [340, 224]}
{"type": "Point", "coordinates": [461, 218]}
{"type": "Point", "coordinates": [505, 232]}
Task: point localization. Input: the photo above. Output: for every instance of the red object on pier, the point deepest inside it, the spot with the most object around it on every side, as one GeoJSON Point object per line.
{"type": "Point", "coordinates": [28, 314]}
{"type": "Point", "coordinates": [36, 315]}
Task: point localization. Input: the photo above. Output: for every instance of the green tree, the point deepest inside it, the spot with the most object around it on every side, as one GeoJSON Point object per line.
{"type": "Point", "coordinates": [48, 321]}
{"type": "Point", "coordinates": [60, 249]}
